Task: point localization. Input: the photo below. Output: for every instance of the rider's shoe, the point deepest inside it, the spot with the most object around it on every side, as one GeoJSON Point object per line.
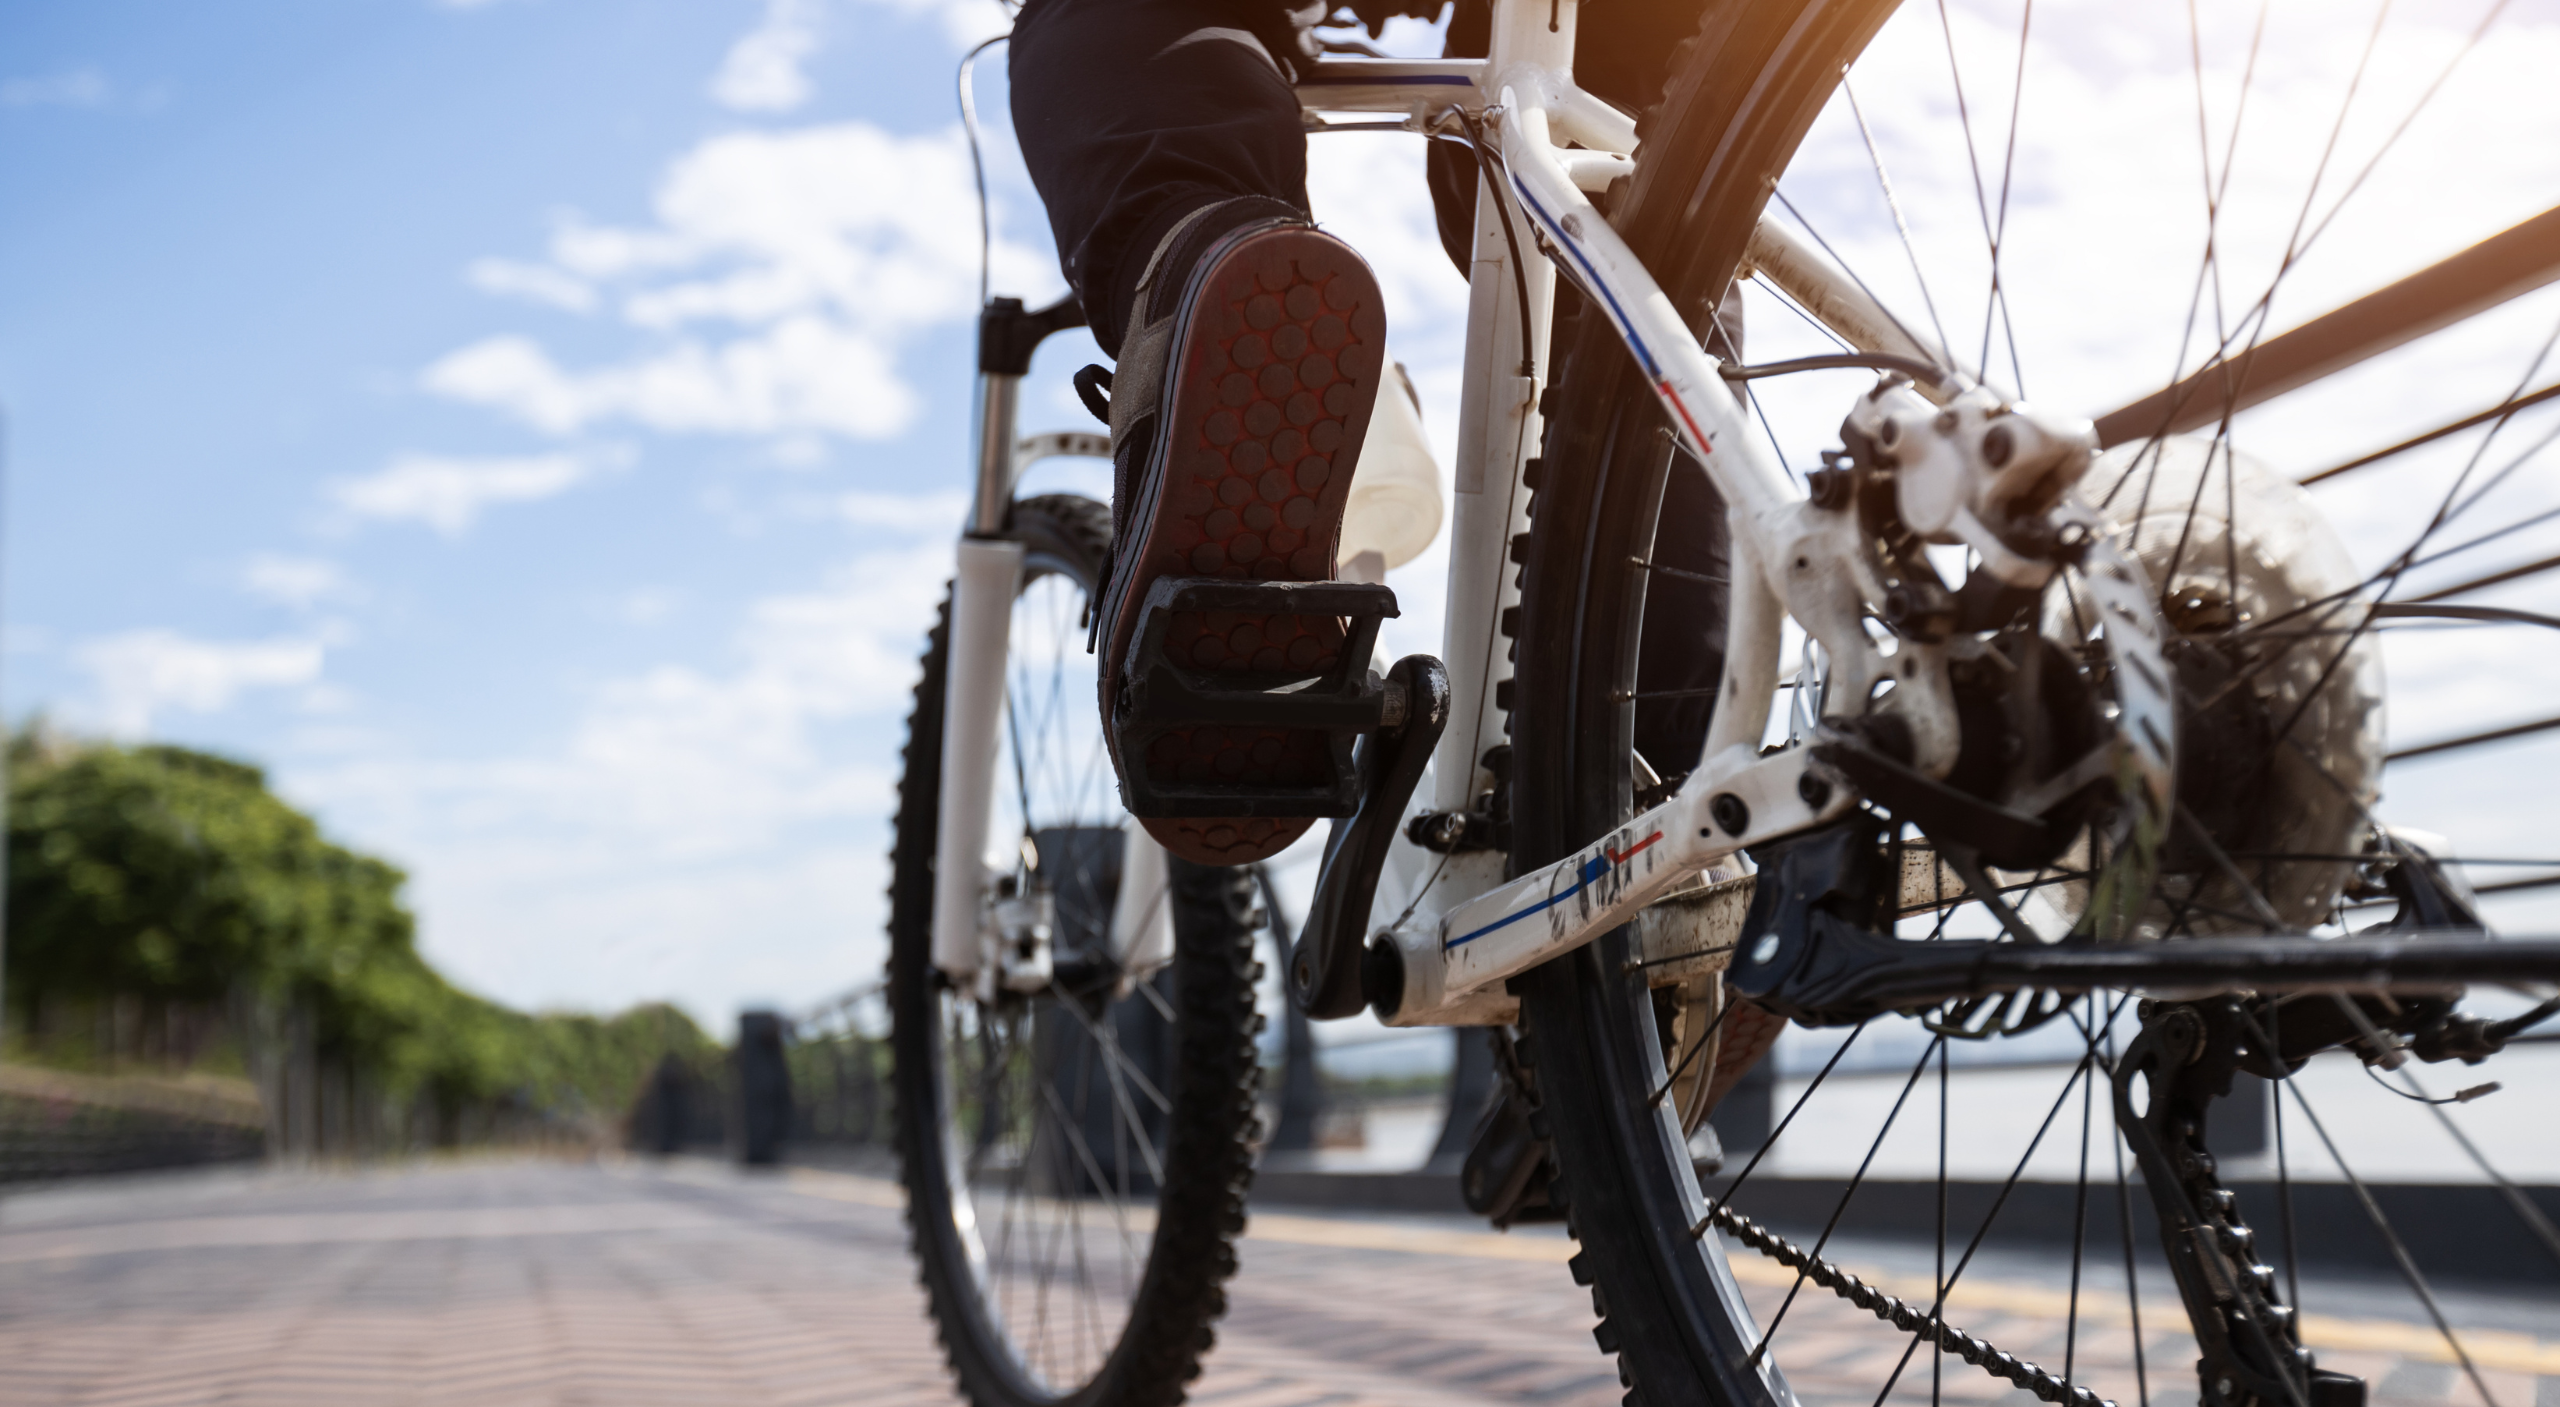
{"type": "Point", "coordinates": [1237, 410]}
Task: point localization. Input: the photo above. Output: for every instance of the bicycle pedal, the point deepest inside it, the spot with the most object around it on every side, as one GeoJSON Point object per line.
{"type": "Point", "coordinates": [1213, 721]}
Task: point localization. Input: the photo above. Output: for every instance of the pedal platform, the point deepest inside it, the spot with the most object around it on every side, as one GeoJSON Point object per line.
{"type": "Point", "coordinates": [1207, 728]}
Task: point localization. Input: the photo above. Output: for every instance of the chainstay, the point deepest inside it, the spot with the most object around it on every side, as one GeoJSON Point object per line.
{"type": "Point", "coordinates": [1903, 1315]}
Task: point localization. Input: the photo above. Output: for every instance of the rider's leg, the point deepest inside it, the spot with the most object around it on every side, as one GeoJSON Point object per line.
{"type": "Point", "coordinates": [1135, 113]}
{"type": "Point", "coordinates": [1166, 141]}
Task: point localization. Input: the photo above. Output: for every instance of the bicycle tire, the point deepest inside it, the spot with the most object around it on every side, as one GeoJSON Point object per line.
{"type": "Point", "coordinates": [1670, 1314]}
{"type": "Point", "coordinates": [1208, 1122]}
{"type": "Point", "coordinates": [1742, 96]}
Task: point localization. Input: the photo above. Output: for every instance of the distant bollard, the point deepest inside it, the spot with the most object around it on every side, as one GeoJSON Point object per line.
{"type": "Point", "coordinates": [666, 1114]}
{"type": "Point", "coordinates": [763, 1089]}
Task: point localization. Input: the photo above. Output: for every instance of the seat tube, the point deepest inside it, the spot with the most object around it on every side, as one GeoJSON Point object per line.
{"type": "Point", "coordinates": [1498, 432]}
{"type": "Point", "coordinates": [988, 573]}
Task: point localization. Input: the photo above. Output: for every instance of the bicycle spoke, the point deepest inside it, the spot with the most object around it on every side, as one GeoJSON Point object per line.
{"type": "Point", "coordinates": [1937, 1305]}
{"type": "Point", "coordinates": [1113, 1066]}
{"type": "Point", "coordinates": [2169, 411]}
{"type": "Point", "coordinates": [2522, 1205]}
{"type": "Point", "coordinates": [1841, 1208]}
{"type": "Point", "coordinates": [1681, 572]}
{"type": "Point", "coordinates": [1085, 1162]}
{"type": "Point", "coordinates": [2284, 1184]}
{"type": "Point", "coordinates": [2536, 234]}
{"type": "Point", "coordinates": [1155, 999]}
{"type": "Point", "coordinates": [1997, 300]}
{"type": "Point", "coordinates": [1845, 267]}
{"type": "Point", "coordinates": [1117, 1060]}
{"type": "Point", "coordinates": [1090, 1321]}
{"type": "Point", "coordinates": [2423, 438]}
{"type": "Point", "coordinates": [2498, 578]}
{"type": "Point", "coordinates": [1948, 1280]}
{"type": "Point", "coordinates": [2513, 886]}
{"type": "Point", "coordinates": [1704, 1222]}
{"type": "Point", "coordinates": [2079, 1214]}
{"type": "Point", "coordinates": [1901, 226]}
{"type": "Point", "coordinates": [1706, 1040]}
{"type": "Point", "coordinates": [2391, 1239]}
{"type": "Point", "coordinates": [2470, 740]}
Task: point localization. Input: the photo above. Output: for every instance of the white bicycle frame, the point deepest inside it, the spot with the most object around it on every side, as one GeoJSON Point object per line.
{"type": "Point", "coordinates": [1458, 925]}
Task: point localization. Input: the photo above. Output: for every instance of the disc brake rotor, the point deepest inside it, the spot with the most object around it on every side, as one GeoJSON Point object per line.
{"type": "Point", "coordinates": [2277, 685]}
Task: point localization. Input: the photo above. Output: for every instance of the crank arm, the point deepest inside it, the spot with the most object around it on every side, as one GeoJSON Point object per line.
{"type": "Point", "coordinates": [1325, 965]}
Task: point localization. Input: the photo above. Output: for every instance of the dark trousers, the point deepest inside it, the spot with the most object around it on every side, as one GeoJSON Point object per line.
{"type": "Point", "coordinates": [1134, 113]}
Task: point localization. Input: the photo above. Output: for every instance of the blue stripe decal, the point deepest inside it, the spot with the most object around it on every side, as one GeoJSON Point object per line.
{"type": "Point", "coordinates": [1626, 325]}
{"type": "Point", "coordinates": [1388, 80]}
{"type": "Point", "coordinates": [1592, 869]}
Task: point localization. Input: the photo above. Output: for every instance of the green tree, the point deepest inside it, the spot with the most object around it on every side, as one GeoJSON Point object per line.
{"type": "Point", "coordinates": [177, 876]}
{"type": "Point", "coordinates": [152, 871]}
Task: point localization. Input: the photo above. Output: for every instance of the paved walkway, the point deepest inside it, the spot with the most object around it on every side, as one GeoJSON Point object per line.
{"type": "Point", "coordinates": [495, 1284]}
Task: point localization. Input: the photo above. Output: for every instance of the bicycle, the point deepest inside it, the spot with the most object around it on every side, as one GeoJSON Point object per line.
{"type": "Point", "coordinates": [2135, 744]}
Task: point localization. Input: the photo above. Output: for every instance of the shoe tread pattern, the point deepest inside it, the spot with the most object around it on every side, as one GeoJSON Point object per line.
{"type": "Point", "coordinates": [1278, 367]}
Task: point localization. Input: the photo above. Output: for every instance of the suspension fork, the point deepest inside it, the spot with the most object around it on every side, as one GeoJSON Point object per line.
{"type": "Point", "coordinates": [987, 574]}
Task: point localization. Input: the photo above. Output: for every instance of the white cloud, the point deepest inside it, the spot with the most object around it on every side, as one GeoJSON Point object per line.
{"type": "Point", "coordinates": [448, 493]}
{"type": "Point", "coordinates": [711, 832]}
{"type": "Point", "coordinates": [141, 673]}
{"type": "Point", "coordinates": [299, 582]}
{"type": "Point", "coordinates": [78, 88]}
{"type": "Point", "coordinates": [804, 374]}
{"type": "Point", "coordinates": [646, 605]}
{"type": "Point", "coordinates": [785, 272]}
{"type": "Point", "coordinates": [763, 72]}
{"type": "Point", "coordinates": [535, 283]}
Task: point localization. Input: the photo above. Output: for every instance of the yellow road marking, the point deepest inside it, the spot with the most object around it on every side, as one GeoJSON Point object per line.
{"type": "Point", "coordinates": [1416, 1240]}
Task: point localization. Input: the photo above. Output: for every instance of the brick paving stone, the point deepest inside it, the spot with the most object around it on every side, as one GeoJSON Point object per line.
{"type": "Point", "coordinates": [561, 1285]}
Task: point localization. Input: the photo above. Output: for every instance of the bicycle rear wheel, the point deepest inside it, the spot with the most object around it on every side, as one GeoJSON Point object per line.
{"type": "Point", "coordinates": [1075, 1157]}
{"type": "Point", "coordinates": [2273, 622]}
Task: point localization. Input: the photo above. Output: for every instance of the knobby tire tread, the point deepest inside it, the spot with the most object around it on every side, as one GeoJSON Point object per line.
{"type": "Point", "coordinates": [1740, 95]}
{"type": "Point", "coordinates": [1208, 1155]}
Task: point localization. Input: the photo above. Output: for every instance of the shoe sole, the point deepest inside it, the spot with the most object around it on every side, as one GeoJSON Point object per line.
{"type": "Point", "coordinates": [1280, 344]}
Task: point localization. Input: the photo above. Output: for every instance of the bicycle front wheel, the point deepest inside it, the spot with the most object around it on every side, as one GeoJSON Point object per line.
{"type": "Point", "coordinates": [1075, 1155]}
{"type": "Point", "coordinates": [2002, 177]}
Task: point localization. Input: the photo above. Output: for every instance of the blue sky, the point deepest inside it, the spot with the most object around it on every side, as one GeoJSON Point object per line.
{"type": "Point", "coordinates": [518, 425]}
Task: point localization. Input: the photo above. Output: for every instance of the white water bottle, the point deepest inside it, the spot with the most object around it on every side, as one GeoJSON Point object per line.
{"type": "Point", "coordinates": [1395, 508]}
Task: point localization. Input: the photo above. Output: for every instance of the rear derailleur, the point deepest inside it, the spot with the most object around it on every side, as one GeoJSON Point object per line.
{"type": "Point", "coordinates": [2250, 1345]}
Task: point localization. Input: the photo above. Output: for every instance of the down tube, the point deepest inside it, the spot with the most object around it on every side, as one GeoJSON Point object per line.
{"type": "Point", "coordinates": [1705, 412]}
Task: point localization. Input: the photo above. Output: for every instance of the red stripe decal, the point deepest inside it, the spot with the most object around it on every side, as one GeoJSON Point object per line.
{"type": "Point", "coordinates": [1697, 436]}
{"type": "Point", "coordinates": [1621, 857]}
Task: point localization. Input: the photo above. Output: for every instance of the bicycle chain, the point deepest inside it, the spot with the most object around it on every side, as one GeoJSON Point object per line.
{"type": "Point", "coordinates": [1901, 1314]}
